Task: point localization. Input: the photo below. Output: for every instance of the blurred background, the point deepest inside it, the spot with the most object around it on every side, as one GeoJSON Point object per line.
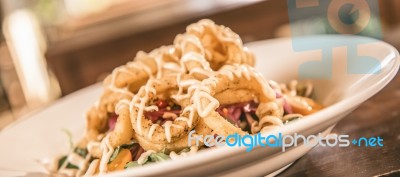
{"type": "Point", "coordinates": [51, 48]}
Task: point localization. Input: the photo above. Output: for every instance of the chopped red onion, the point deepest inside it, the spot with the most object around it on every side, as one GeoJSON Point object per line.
{"type": "Point", "coordinates": [112, 120]}
{"type": "Point", "coordinates": [286, 107]}
{"type": "Point", "coordinates": [234, 111]}
{"type": "Point", "coordinates": [156, 116]}
{"type": "Point", "coordinates": [139, 152]}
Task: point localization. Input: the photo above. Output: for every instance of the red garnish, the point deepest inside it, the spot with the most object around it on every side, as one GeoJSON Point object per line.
{"type": "Point", "coordinates": [136, 151]}
{"type": "Point", "coordinates": [161, 104]}
{"type": "Point", "coordinates": [139, 152]}
{"type": "Point", "coordinates": [234, 112]}
{"type": "Point", "coordinates": [112, 120]}
{"type": "Point", "coordinates": [163, 107]}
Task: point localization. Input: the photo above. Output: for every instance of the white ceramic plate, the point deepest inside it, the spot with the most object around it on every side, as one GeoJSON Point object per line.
{"type": "Point", "coordinates": [39, 135]}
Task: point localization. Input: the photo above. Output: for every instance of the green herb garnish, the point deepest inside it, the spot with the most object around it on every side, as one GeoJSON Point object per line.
{"type": "Point", "coordinates": [152, 158]}
{"type": "Point", "coordinates": [131, 164]}
{"type": "Point", "coordinates": [158, 157]}
{"type": "Point", "coordinates": [69, 165]}
{"type": "Point", "coordinates": [81, 152]}
{"type": "Point", "coordinates": [115, 154]}
{"type": "Point", "coordinates": [128, 146]}
{"type": "Point", "coordinates": [116, 151]}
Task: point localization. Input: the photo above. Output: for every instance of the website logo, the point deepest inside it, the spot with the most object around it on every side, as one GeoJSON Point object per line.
{"type": "Point", "coordinates": [356, 17]}
{"type": "Point", "coordinates": [282, 141]}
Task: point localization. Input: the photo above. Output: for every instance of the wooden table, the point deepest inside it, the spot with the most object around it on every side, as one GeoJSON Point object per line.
{"type": "Point", "coordinates": [379, 116]}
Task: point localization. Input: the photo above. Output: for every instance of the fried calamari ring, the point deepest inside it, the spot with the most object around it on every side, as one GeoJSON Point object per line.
{"type": "Point", "coordinates": [121, 134]}
{"type": "Point", "coordinates": [170, 131]}
{"type": "Point", "coordinates": [123, 131]}
{"type": "Point", "coordinates": [203, 41]}
{"type": "Point", "coordinates": [126, 80]}
{"type": "Point", "coordinates": [222, 45]}
{"type": "Point", "coordinates": [233, 79]}
{"type": "Point", "coordinates": [188, 56]}
{"type": "Point", "coordinates": [182, 143]}
{"type": "Point", "coordinates": [193, 61]}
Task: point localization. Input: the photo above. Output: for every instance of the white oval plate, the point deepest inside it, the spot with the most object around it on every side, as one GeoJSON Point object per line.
{"type": "Point", "coordinates": [39, 136]}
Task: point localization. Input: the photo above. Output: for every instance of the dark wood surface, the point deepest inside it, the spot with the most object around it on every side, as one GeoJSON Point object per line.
{"type": "Point", "coordinates": [379, 116]}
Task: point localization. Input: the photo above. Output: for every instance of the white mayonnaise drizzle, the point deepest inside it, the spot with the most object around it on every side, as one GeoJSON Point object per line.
{"type": "Point", "coordinates": [188, 38]}
{"type": "Point", "coordinates": [143, 157]}
{"type": "Point", "coordinates": [92, 145]}
{"type": "Point", "coordinates": [151, 131]}
{"type": "Point", "coordinates": [167, 127]}
{"type": "Point", "coordinates": [139, 100]}
{"type": "Point", "coordinates": [203, 92]}
{"type": "Point", "coordinates": [92, 167]}
{"type": "Point", "coordinates": [107, 152]}
{"type": "Point", "coordinates": [112, 86]}
{"type": "Point", "coordinates": [77, 160]}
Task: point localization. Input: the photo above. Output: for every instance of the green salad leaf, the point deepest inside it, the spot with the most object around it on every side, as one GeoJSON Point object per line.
{"type": "Point", "coordinates": [116, 151]}
{"type": "Point", "coordinates": [83, 152]}
{"type": "Point", "coordinates": [131, 164]}
{"type": "Point", "coordinates": [153, 158]}
{"type": "Point", "coordinates": [69, 165]}
{"type": "Point", "coordinates": [115, 154]}
{"type": "Point", "coordinates": [128, 146]}
{"type": "Point", "coordinates": [158, 157]}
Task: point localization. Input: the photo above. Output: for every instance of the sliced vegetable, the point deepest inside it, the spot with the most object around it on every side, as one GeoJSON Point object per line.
{"type": "Point", "coordinates": [131, 164]}
{"type": "Point", "coordinates": [158, 157]}
{"type": "Point", "coordinates": [123, 157]}
{"type": "Point", "coordinates": [154, 157]}
{"type": "Point", "coordinates": [129, 146]}
{"type": "Point", "coordinates": [238, 113]}
{"type": "Point", "coordinates": [114, 154]}
{"type": "Point", "coordinates": [164, 106]}
{"type": "Point", "coordinates": [112, 120]}
{"type": "Point", "coordinates": [139, 152]}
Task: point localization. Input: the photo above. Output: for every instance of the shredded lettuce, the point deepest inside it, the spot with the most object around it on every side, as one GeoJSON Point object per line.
{"type": "Point", "coordinates": [145, 160]}
{"type": "Point", "coordinates": [131, 164]}
{"type": "Point", "coordinates": [158, 157]}
{"type": "Point", "coordinates": [81, 152]}
{"type": "Point", "coordinates": [153, 158]}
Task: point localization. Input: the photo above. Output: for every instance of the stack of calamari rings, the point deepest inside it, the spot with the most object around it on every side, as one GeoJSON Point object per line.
{"type": "Point", "coordinates": [194, 84]}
